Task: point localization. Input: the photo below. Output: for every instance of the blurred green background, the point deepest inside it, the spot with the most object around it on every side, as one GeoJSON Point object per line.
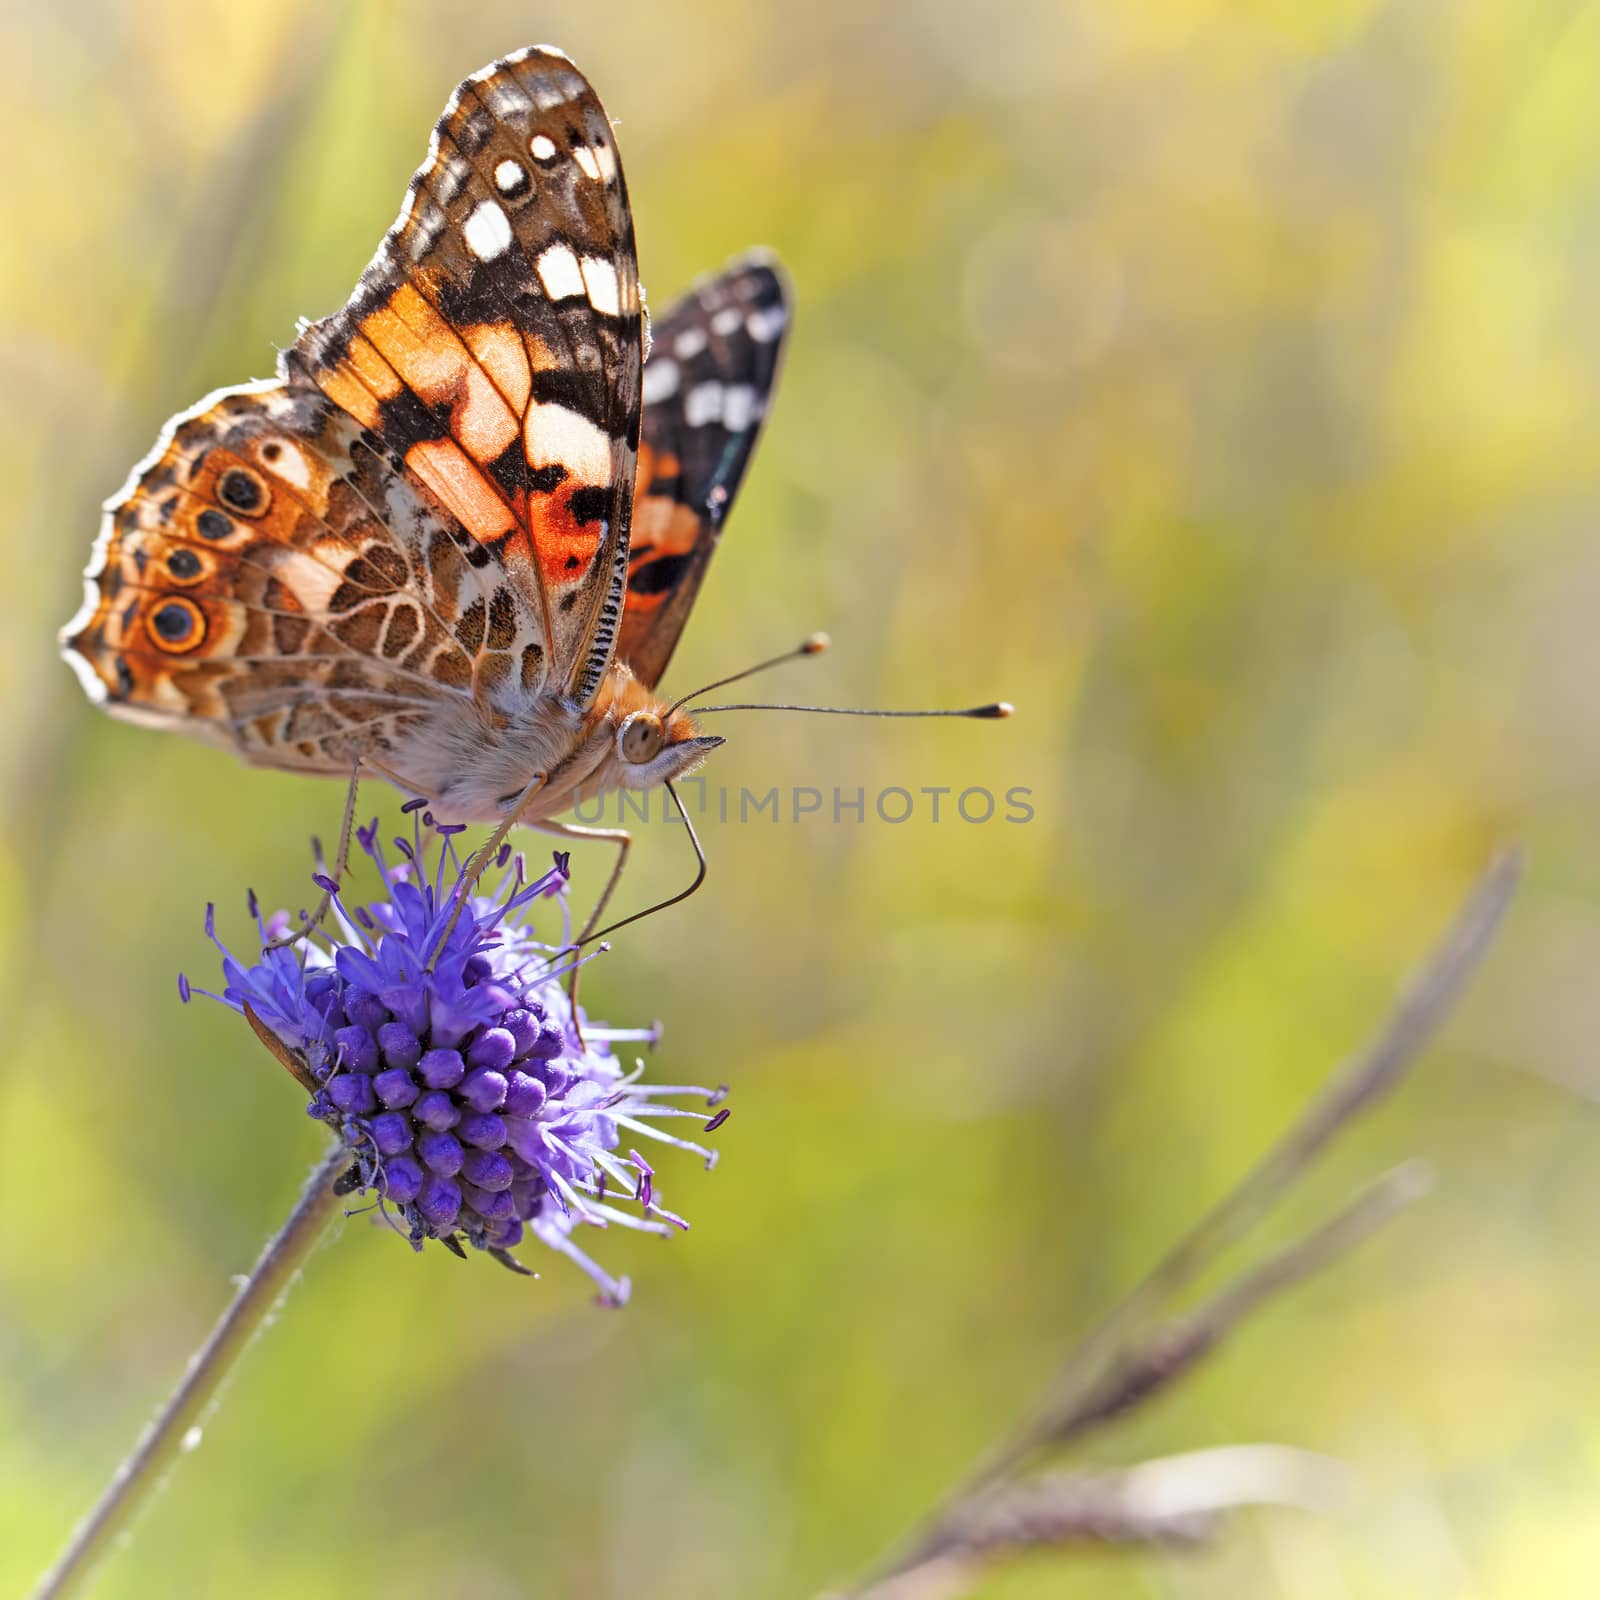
{"type": "Point", "coordinates": [1216, 381]}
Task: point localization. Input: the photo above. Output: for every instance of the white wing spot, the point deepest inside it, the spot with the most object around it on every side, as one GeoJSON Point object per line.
{"type": "Point", "coordinates": [607, 158]}
{"type": "Point", "coordinates": [291, 465]}
{"type": "Point", "coordinates": [584, 156]}
{"type": "Point", "coordinates": [312, 579]}
{"type": "Point", "coordinates": [703, 404]}
{"type": "Point", "coordinates": [600, 280]}
{"type": "Point", "coordinates": [543, 147]}
{"type": "Point", "coordinates": [727, 321]}
{"type": "Point", "coordinates": [507, 100]}
{"type": "Point", "coordinates": [560, 273]}
{"type": "Point", "coordinates": [558, 437]}
{"type": "Point", "coordinates": [766, 324]}
{"type": "Point", "coordinates": [738, 407]}
{"type": "Point", "coordinates": [660, 380]}
{"type": "Point", "coordinates": [689, 343]}
{"type": "Point", "coordinates": [487, 231]}
{"type": "Point", "coordinates": [509, 178]}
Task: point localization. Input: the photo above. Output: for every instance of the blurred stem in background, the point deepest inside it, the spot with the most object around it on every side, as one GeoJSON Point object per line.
{"type": "Point", "coordinates": [175, 1427]}
{"type": "Point", "coordinates": [1001, 1511]}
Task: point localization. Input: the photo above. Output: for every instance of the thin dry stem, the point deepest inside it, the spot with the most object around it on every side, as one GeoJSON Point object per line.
{"type": "Point", "coordinates": [1113, 1369]}
{"type": "Point", "coordinates": [1172, 1502]}
{"type": "Point", "coordinates": [1158, 1359]}
{"type": "Point", "coordinates": [145, 1469]}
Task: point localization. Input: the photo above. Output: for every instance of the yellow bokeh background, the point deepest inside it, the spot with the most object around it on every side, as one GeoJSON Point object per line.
{"type": "Point", "coordinates": [1219, 383]}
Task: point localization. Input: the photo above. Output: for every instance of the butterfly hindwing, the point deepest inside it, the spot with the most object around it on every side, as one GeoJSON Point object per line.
{"type": "Point", "coordinates": [265, 583]}
{"type": "Point", "coordinates": [714, 360]}
{"type": "Point", "coordinates": [494, 348]}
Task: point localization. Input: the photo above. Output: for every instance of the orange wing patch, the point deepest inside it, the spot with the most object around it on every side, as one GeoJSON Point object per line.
{"type": "Point", "coordinates": [484, 372]}
{"type": "Point", "coordinates": [418, 343]}
{"type": "Point", "coordinates": [566, 543]}
{"type": "Point", "coordinates": [659, 520]}
{"type": "Point", "coordinates": [433, 362]}
{"type": "Point", "coordinates": [461, 489]}
{"type": "Point", "coordinates": [501, 353]}
{"type": "Point", "coordinates": [360, 382]}
{"type": "Point", "coordinates": [662, 527]}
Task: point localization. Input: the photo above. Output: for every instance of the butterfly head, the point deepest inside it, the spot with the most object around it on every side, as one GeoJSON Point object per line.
{"type": "Point", "coordinates": [655, 743]}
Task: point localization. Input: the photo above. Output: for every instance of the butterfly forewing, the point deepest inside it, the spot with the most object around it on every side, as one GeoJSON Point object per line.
{"type": "Point", "coordinates": [493, 348]}
{"type": "Point", "coordinates": [714, 360]}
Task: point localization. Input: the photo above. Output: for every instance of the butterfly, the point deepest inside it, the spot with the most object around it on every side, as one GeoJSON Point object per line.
{"type": "Point", "coordinates": [455, 540]}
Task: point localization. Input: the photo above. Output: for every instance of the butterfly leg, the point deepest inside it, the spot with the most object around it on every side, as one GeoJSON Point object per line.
{"type": "Point", "coordinates": [623, 840]}
{"type": "Point", "coordinates": [341, 864]}
{"type": "Point", "coordinates": [620, 837]}
{"type": "Point", "coordinates": [478, 865]}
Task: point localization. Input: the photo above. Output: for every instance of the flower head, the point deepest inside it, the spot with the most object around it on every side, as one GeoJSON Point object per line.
{"type": "Point", "coordinates": [443, 1050]}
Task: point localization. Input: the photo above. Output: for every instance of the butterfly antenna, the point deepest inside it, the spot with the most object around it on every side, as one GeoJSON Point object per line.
{"type": "Point", "coordinates": [812, 646]}
{"type": "Point", "coordinates": [989, 713]}
{"type": "Point", "coordinates": [682, 894]}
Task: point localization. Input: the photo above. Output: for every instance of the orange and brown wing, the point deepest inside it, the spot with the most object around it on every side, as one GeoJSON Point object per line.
{"type": "Point", "coordinates": [494, 347]}
{"type": "Point", "coordinates": [265, 583]}
{"type": "Point", "coordinates": [713, 364]}
{"type": "Point", "coordinates": [424, 518]}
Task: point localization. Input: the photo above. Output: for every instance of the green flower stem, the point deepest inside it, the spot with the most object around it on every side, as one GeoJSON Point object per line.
{"type": "Point", "coordinates": [146, 1468]}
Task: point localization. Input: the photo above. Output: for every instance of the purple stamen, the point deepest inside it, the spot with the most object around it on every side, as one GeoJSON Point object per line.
{"type": "Point", "coordinates": [484, 1089]}
{"type": "Point", "coordinates": [402, 1179]}
{"type": "Point", "coordinates": [483, 1129]}
{"type": "Point", "coordinates": [351, 1092]}
{"type": "Point", "coordinates": [439, 1203]}
{"type": "Point", "coordinates": [391, 1132]}
{"type": "Point", "coordinates": [356, 1049]}
{"type": "Point", "coordinates": [489, 1169]}
{"type": "Point", "coordinates": [395, 1088]}
{"type": "Point", "coordinates": [441, 1151]}
{"type": "Point", "coordinates": [400, 1046]}
{"type": "Point", "coordinates": [436, 1110]}
{"type": "Point", "coordinates": [442, 1069]}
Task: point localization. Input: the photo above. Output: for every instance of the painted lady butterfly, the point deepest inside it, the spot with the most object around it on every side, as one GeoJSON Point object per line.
{"type": "Point", "coordinates": [454, 541]}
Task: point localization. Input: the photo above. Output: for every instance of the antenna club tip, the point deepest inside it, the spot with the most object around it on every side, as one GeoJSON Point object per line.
{"type": "Point", "coordinates": [1001, 708]}
{"type": "Point", "coordinates": [815, 645]}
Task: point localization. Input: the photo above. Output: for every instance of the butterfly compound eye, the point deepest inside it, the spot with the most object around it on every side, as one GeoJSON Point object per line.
{"type": "Point", "coordinates": [640, 737]}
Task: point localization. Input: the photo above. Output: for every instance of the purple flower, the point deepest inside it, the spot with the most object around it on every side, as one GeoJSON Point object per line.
{"type": "Point", "coordinates": [447, 1057]}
